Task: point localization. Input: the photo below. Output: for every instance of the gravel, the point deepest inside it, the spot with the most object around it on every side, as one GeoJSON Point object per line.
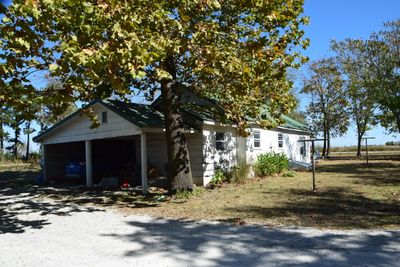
{"type": "Point", "coordinates": [42, 232]}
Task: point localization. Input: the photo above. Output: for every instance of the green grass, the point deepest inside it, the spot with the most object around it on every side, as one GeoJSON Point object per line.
{"type": "Point", "coordinates": [370, 148]}
{"type": "Point", "coordinates": [18, 174]}
{"type": "Point", "coordinates": [349, 195]}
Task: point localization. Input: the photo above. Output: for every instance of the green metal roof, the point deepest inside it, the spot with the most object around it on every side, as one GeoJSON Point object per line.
{"type": "Point", "coordinates": [150, 115]}
{"type": "Point", "coordinates": [293, 124]}
{"type": "Point", "coordinates": [205, 109]}
{"type": "Point", "coordinates": [139, 114]}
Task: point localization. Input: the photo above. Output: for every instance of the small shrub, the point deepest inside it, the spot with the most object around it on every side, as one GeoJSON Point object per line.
{"type": "Point", "coordinates": [182, 194]}
{"type": "Point", "coordinates": [186, 194]}
{"type": "Point", "coordinates": [239, 173]}
{"type": "Point", "coordinates": [288, 174]}
{"type": "Point", "coordinates": [271, 163]}
{"type": "Point", "coordinates": [218, 178]}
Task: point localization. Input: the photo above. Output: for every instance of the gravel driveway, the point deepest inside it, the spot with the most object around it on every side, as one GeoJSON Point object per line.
{"type": "Point", "coordinates": [38, 232]}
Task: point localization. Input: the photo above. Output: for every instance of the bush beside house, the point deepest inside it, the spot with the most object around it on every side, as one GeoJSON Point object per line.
{"type": "Point", "coordinates": [271, 163]}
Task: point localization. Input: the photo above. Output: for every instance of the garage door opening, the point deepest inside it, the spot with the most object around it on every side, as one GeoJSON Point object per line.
{"type": "Point", "coordinates": [116, 160]}
{"type": "Point", "coordinates": [59, 157]}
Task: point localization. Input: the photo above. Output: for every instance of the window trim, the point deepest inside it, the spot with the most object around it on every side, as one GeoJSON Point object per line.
{"type": "Point", "coordinates": [280, 140]}
{"type": "Point", "coordinates": [303, 150]}
{"type": "Point", "coordinates": [257, 139]}
{"type": "Point", "coordinates": [220, 141]}
{"type": "Point", "coordinates": [104, 117]}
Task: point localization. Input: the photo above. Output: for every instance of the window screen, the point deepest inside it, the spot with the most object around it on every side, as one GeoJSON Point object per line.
{"type": "Point", "coordinates": [220, 141]}
{"type": "Point", "coordinates": [256, 139]}
{"type": "Point", "coordinates": [104, 117]}
{"type": "Point", "coordinates": [302, 147]}
{"type": "Point", "coordinates": [280, 140]}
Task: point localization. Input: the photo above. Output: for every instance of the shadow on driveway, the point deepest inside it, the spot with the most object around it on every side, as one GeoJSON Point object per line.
{"type": "Point", "coordinates": [22, 202]}
{"type": "Point", "coordinates": [207, 244]}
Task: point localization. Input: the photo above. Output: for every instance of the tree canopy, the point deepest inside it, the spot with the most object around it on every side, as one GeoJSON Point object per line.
{"type": "Point", "coordinates": [351, 56]}
{"type": "Point", "coordinates": [236, 52]}
{"type": "Point", "coordinates": [384, 66]}
{"type": "Point", "coordinates": [328, 107]}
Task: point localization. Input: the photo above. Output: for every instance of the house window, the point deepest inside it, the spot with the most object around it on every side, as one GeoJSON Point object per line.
{"type": "Point", "coordinates": [302, 146]}
{"type": "Point", "coordinates": [280, 140]}
{"type": "Point", "coordinates": [104, 117]}
{"type": "Point", "coordinates": [220, 141]}
{"type": "Point", "coordinates": [256, 139]}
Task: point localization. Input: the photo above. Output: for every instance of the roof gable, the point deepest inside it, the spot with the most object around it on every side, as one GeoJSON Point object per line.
{"type": "Point", "coordinates": [77, 127]}
{"type": "Point", "coordinates": [139, 115]}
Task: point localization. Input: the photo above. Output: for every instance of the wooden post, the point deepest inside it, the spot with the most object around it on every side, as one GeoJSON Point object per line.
{"type": "Point", "coordinates": [88, 158]}
{"type": "Point", "coordinates": [312, 140]}
{"type": "Point", "coordinates": [44, 169]}
{"type": "Point", "coordinates": [366, 149]}
{"type": "Point", "coordinates": [143, 153]}
{"type": "Point", "coordinates": [313, 164]}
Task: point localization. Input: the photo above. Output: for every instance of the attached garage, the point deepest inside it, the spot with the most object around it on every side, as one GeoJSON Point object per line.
{"type": "Point", "coordinates": [117, 148]}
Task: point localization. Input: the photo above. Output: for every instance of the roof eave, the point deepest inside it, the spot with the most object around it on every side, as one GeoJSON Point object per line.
{"type": "Point", "coordinates": [40, 136]}
{"type": "Point", "coordinates": [295, 129]}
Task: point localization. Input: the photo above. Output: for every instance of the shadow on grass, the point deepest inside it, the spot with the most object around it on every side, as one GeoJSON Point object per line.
{"type": "Point", "coordinates": [337, 207]}
{"type": "Point", "coordinates": [371, 156]}
{"type": "Point", "coordinates": [376, 173]}
{"type": "Point", "coordinates": [203, 244]}
{"type": "Point", "coordinates": [21, 200]}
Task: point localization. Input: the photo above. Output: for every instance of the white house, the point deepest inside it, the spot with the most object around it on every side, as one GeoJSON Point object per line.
{"type": "Point", "coordinates": [131, 139]}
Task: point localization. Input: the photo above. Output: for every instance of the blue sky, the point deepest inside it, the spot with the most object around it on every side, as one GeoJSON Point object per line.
{"type": "Point", "coordinates": [341, 19]}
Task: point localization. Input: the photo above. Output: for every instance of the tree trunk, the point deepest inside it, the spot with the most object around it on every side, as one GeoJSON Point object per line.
{"type": "Point", "coordinates": [324, 147]}
{"type": "Point", "coordinates": [398, 122]}
{"type": "Point", "coordinates": [15, 150]}
{"type": "Point", "coordinates": [359, 145]}
{"type": "Point", "coordinates": [28, 126]}
{"type": "Point", "coordinates": [359, 136]}
{"type": "Point", "coordinates": [179, 171]}
{"type": "Point", "coordinates": [328, 143]}
{"type": "Point", "coordinates": [1, 142]}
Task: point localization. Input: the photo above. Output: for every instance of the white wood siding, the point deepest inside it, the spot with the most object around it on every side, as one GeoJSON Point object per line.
{"type": "Point", "coordinates": [157, 154]}
{"type": "Point", "coordinates": [195, 143]}
{"type": "Point", "coordinates": [269, 143]}
{"type": "Point", "coordinates": [214, 159]}
{"type": "Point", "coordinates": [78, 128]}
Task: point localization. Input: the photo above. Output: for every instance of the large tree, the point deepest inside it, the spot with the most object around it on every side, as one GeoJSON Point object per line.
{"type": "Point", "coordinates": [384, 64]}
{"type": "Point", "coordinates": [327, 110]}
{"type": "Point", "coordinates": [236, 52]}
{"type": "Point", "coordinates": [352, 54]}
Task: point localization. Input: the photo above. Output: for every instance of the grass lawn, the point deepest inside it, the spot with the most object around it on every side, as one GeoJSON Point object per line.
{"type": "Point", "coordinates": [349, 195]}
{"type": "Point", "coordinates": [18, 174]}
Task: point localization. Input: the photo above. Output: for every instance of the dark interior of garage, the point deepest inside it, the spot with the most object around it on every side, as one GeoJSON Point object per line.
{"type": "Point", "coordinates": [111, 158]}
{"type": "Point", "coordinates": [115, 158]}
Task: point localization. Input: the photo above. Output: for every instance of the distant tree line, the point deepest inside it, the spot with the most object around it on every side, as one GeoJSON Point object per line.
{"type": "Point", "coordinates": [359, 84]}
{"type": "Point", "coordinates": [20, 121]}
{"type": "Point", "coordinates": [392, 143]}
